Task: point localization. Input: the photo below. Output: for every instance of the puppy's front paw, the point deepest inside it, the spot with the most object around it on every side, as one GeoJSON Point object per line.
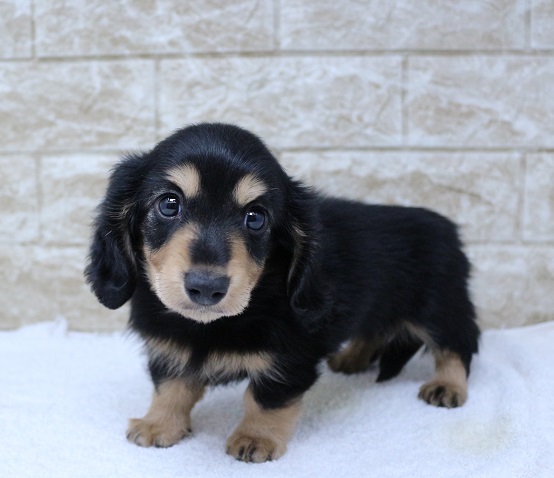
{"type": "Point", "coordinates": [443, 394]}
{"type": "Point", "coordinates": [254, 449]}
{"type": "Point", "coordinates": [146, 433]}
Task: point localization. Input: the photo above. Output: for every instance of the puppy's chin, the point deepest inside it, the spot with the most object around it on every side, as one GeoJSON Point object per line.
{"type": "Point", "coordinates": [204, 315]}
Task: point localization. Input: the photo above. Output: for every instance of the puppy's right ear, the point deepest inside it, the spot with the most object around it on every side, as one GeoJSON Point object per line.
{"type": "Point", "coordinates": [112, 270]}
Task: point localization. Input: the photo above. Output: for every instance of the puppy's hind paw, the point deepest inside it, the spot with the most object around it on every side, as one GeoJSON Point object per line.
{"type": "Point", "coordinates": [346, 364]}
{"type": "Point", "coordinates": [356, 357]}
{"type": "Point", "coordinates": [148, 433]}
{"type": "Point", "coordinates": [443, 394]}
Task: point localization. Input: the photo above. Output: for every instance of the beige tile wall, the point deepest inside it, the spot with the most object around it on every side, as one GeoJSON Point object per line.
{"type": "Point", "coordinates": [439, 103]}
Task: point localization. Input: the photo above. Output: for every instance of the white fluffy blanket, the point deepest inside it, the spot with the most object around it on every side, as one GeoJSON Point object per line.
{"type": "Point", "coordinates": [65, 399]}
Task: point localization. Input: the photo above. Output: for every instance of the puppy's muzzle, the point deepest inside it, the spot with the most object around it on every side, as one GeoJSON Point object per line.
{"type": "Point", "coordinates": [205, 288]}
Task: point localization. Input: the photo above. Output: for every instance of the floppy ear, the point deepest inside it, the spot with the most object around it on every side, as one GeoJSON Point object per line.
{"type": "Point", "coordinates": [307, 288]}
{"type": "Point", "coordinates": [111, 270]}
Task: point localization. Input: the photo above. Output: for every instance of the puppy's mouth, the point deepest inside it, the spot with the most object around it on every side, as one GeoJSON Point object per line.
{"type": "Point", "coordinates": [198, 291]}
{"type": "Point", "coordinates": [202, 296]}
{"type": "Point", "coordinates": [205, 313]}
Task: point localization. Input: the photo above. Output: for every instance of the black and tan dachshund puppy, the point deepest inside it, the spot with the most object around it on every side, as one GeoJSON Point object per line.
{"type": "Point", "coordinates": [234, 270]}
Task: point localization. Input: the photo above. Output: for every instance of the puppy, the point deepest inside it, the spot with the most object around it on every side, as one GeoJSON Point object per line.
{"type": "Point", "coordinates": [234, 270]}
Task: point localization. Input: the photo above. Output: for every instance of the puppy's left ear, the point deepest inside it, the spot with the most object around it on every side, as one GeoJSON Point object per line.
{"type": "Point", "coordinates": [307, 288]}
{"type": "Point", "coordinates": [111, 270]}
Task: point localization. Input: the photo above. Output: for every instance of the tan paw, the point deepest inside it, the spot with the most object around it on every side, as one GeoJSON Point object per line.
{"type": "Point", "coordinates": [254, 449]}
{"type": "Point", "coordinates": [147, 433]}
{"type": "Point", "coordinates": [443, 394]}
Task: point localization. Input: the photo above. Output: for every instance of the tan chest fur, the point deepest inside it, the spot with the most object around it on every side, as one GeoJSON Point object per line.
{"type": "Point", "coordinates": [216, 366]}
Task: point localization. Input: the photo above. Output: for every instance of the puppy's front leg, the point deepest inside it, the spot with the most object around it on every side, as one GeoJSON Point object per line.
{"type": "Point", "coordinates": [263, 433]}
{"type": "Point", "coordinates": [168, 419]}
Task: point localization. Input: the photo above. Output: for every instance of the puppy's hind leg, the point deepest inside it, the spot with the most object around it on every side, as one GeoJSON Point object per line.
{"type": "Point", "coordinates": [168, 419]}
{"type": "Point", "coordinates": [356, 357]}
{"type": "Point", "coordinates": [448, 388]}
{"type": "Point", "coordinates": [453, 345]}
{"type": "Point", "coordinates": [395, 355]}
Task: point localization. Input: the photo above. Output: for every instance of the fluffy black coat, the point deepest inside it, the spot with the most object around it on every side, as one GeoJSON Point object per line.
{"type": "Point", "coordinates": [333, 269]}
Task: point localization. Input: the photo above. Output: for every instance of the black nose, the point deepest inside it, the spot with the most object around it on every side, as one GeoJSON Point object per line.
{"type": "Point", "coordinates": [204, 288]}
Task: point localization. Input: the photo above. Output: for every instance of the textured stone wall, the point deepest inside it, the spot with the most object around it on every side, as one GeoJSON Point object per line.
{"type": "Point", "coordinates": [447, 104]}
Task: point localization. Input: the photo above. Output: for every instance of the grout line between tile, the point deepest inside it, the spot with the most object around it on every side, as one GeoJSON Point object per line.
{"type": "Point", "coordinates": [277, 25]}
{"type": "Point", "coordinates": [280, 53]}
{"type": "Point", "coordinates": [405, 85]}
{"type": "Point", "coordinates": [523, 198]}
{"type": "Point", "coordinates": [33, 29]}
{"type": "Point", "coordinates": [528, 5]}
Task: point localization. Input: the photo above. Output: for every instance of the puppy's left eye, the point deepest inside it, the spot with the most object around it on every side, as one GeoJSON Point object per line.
{"type": "Point", "coordinates": [255, 219]}
{"type": "Point", "coordinates": [169, 205]}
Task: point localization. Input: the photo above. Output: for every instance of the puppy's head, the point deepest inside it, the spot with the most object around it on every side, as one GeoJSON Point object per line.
{"type": "Point", "coordinates": [198, 215]}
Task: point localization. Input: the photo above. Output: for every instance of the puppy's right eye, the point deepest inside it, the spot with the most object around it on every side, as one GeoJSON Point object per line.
{"type": "Point", "coordinates": [169, 205]}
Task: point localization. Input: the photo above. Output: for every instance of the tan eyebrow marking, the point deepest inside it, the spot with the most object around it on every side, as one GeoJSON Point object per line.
{"type": "Point", "coordinates": [187, 177]}
{"type": "Point", "coordinates": [247, 189]}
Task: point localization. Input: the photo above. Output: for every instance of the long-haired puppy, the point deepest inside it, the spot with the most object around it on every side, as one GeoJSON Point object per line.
{"type": "Point", "coordinates": [234, 270]}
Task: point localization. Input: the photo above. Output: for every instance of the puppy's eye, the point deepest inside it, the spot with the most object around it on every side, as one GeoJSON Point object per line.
{"type": "Point", "coordinates": [255, 219]}
{"type": "Point", "coordinates": [169, 205]}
